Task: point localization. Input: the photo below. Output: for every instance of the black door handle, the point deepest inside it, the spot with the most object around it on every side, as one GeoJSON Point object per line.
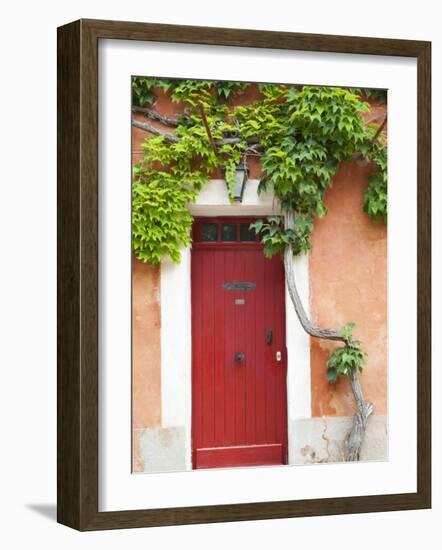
{"type": "Point", "coordinates": [239, 357]}
{"type": "Point", "coordinates": [269, 337]}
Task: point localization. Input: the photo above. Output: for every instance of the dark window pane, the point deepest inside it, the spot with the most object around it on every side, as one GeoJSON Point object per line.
{"type": "Point", "coordinates": [209, 232]}
{"type": "Point", "coordinates": [228, 232]}
{"type": "Point", "coordinates": [246, 234]}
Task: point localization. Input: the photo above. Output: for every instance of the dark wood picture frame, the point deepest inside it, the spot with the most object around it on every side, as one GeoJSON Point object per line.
{"type": "Point", "coordinates": [77, 226]}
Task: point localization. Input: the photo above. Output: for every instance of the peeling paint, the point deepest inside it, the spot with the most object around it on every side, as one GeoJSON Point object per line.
{"type": "Point", "coordinates": [162, 449]}
{"type": "Point", "coordinates": [323, 440]}
{"type": "Point", "coordinates": [146, 352]}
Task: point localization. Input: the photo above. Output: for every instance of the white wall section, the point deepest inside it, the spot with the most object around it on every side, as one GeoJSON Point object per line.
{"type": "Point", "coordinates": [298, 352]}
{"type": "Point", "coordinates": [213, 200]}
{"type": "Point", "coordinates": [175, 340]}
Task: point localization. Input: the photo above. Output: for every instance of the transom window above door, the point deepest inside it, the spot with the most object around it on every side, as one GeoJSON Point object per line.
{"type": "Point", "coordinates": [224, 230]}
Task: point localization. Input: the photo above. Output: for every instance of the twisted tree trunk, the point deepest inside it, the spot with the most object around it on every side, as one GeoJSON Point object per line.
{"type": "Point", "coordinates": [355, 438]}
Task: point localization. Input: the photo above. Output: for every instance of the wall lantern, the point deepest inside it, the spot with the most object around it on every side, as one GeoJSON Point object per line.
{"type": "Point", "coordinates": [241, 175]}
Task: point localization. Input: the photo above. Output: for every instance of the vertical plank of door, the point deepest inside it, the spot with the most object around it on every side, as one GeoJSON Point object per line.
{"type": "Point", "coordinates": [196, 285]}
{"type": "Point", "coordinates": [207, 336]}
{"type": "Point", "coordinates": [261, 325]}
{"type": "Point", "coordinates": [270, 352]}
{"type": "Point", "coordinates": [229, 351]}
{"type": "Point", "coordinates": [219, 346]}
{"type": "Point", "coordinates": [276, 317]}
{"type": "Point", "coordinates": [251, 265]}
{"type": "Point", "coordinates": [240, 342]}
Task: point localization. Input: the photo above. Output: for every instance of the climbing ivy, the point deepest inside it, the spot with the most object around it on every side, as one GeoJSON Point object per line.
{"type": "Point", "coordinates": [375, 196]}
{"type": "Point", "coordinates": [347, 358]}
{"type": "Point", "coordinates": [302, 133]}
{"type": "Point", "coordinates": [371, 93]}
{"type": "Point", "coordinates": [275, 238]}
{"type": "Point", "coordinates": [143, 88]}
{"type": "Point", "coordinates": [160, 218]}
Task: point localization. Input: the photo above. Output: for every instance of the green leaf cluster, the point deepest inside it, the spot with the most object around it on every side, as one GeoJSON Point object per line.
{"type": "Point", "coordinates": [275, 238]}
{"type": "Point", "coordinates": [379, 94]}
{"type": "Point", "coordinates": [376, 194]}
{"type": "Point", "coordinates": [143, 89]}
{"type": "Point", "coordinates": [171, 173]}
{"type": "Point", "coordinates": [347, 358]}
{"type": "Point", "coordinates": [160, 220]}
{"type": "Point", "coordinates": [304, 131]}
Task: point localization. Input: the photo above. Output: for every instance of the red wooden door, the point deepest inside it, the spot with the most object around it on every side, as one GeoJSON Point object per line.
{"type": "Point", "coordinates": [239, 363]}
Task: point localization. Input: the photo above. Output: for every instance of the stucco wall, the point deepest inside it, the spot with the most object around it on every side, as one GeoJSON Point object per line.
{"type": "Point", "coordinates": [348, 282]}
{"type": "Point", "coordinates": [146, 352]}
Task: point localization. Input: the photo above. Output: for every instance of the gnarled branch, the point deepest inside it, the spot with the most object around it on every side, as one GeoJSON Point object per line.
{"type": "Point", "coordinates": [253, 148]}
{"type": "Point", "coordinates": [155, 131]}
{"type": "Point", "coordinates": [207, 127]}
{"type": "Point", "coordinates": [378, 131]}
{"type": "Point", "coordinates": [155, 115]}
{"type": "Point", "coordinates": [307, 325]}
{"type": "Point", "coordinates": [356, 436]}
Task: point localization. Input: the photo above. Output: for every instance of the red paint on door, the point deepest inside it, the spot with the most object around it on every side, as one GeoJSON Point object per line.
{"type": "Point", "coordinates": [239, 405]}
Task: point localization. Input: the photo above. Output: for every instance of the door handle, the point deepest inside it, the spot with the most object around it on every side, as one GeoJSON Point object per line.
{"type": "Point", "coordinates": [239, 357]}
{"type": "Point", "coordinates": [269, 337]}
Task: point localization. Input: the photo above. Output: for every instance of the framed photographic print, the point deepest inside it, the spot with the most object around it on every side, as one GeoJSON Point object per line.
{"type": "Point", "coordinates": [242, 335]}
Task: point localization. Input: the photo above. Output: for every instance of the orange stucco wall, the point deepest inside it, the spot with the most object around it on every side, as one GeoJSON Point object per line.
{"type": "Point", "coordinates": [146, 335]}
{"type": "Point", "coordinates": [348, 282]}
{"type": "Point", "coordinates": [163, 105]}
{"type": "Point", "coordinates": [146, 350]}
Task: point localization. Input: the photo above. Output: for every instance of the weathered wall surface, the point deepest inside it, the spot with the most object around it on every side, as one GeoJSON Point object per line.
{"type": "Point", "coordinates": [146, 353]}
{"type": "Point", "coordinates": [322, 440]}
{"type": "Point", "coordinates": [348, 282]}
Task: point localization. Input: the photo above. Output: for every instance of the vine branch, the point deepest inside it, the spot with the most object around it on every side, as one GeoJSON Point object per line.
{"type": "Point", "coordinates": [207, 127]}
{"type": "Point", "coordinates": [356, 436]}
{"type": "Point", "coordinates": [307, 325]}
{"type": "Point", "coordinates": [155, 131]}
{"type": "Point", "coordinates": [252, 148]}
{"type": "Point", "coordinates": [378, 131]}
{"type": "Point", "coordinates": [155, 115]}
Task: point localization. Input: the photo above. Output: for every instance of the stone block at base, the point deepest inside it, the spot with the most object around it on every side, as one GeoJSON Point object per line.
{"type": "Point", "coordinates": [322, 440]}
{"type": "Point", "coordinates": [160, 449]}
